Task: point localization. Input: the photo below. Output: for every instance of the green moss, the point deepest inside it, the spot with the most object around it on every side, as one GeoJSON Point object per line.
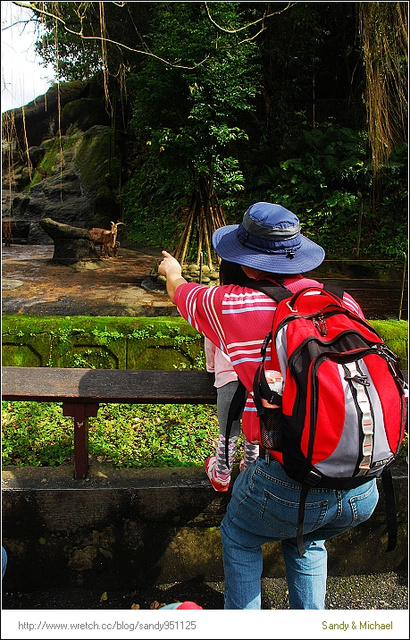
{"type": "Point", "coordinates": [111, 325]}
{"type": "Point", "coordinates": [99, 167]}
{"type": "Point", "coordinates": [135, 343]}
{"type": "Point", "coordinates": [101, 342]}
{"type": "Point", "coordinates": [395, 335]}
{"type": "Point", "coordinates": [52, 157]}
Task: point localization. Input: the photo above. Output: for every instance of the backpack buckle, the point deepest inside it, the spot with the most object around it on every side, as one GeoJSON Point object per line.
{"type": "Point", "coordinates": [313, 478]}
{"type": "Point", "coordinates": [320, 324]}
{"type": "Point", "coordinates": [359, 379]}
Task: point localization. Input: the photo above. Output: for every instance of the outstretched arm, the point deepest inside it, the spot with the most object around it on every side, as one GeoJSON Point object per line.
{"type": "Point", "coordinates": [171, 269]}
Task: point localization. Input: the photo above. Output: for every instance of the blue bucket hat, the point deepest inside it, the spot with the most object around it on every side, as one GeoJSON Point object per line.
{"type": "Point", "coordinates": [268, 239]}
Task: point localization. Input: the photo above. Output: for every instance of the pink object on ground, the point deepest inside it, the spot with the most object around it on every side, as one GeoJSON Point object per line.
{"type": "Point", "coordinates": [182, 605]}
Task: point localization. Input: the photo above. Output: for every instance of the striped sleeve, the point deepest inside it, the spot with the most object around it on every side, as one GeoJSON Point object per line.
{"type": "Point", "coordinates": [196, 303]}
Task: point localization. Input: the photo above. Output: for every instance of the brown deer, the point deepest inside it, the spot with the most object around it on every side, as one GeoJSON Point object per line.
{"type": "Point", "coordinates": [106, 239]}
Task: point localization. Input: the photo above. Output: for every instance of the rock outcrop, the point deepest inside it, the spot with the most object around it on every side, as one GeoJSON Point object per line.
{"type": "Point", "coordinates": [61, 160]}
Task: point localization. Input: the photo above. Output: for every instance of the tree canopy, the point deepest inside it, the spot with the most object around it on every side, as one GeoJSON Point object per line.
{"type": "Point", "coordinates": [224, 103]}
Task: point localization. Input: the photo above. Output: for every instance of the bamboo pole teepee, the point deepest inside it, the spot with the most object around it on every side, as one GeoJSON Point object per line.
{"type": "Point", "coordinates": [203, 217]}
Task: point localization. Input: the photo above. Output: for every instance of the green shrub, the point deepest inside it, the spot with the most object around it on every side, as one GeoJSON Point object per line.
{"type": "Point", "coordinates": [37, 434]}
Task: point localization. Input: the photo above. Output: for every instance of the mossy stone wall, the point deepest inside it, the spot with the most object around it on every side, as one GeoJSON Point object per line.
{"type": "Point", "coordinates": [395, 334]}
{"type": "Point", "coordinates": [127, 343]}
{"type": "Point", "coordinates": [101, 342]}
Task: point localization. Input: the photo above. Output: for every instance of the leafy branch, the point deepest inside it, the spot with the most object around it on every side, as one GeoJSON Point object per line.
{"type": "Point", "coordinates": [103, 39]}
{"type": "Point", "coordinates": [250, 24]}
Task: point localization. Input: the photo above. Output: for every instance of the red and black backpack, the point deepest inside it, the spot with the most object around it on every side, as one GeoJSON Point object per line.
{"type": "Point", "coordinates": [344, 403]}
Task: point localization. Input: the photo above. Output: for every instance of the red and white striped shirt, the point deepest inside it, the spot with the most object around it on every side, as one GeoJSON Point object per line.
{"type": "Point", "coordinates": [236, 319]}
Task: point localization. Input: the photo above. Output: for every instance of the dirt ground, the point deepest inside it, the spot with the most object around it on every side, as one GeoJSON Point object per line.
{"type": "Point", "coordinates": [33, 284]}
{"type": "Point", "coordinates": [123, 286]}
{"type": "Point", "coordinates": [377, 592]}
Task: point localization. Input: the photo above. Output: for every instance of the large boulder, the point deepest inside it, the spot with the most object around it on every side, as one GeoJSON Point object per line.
{"type": "Point", "coordinates": [41, 119]}
{"type": "Point", "coordinates": [71, 244]}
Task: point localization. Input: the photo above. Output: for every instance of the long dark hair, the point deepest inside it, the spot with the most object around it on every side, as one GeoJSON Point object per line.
{"type": "Point", "coordinates": [232, 273]}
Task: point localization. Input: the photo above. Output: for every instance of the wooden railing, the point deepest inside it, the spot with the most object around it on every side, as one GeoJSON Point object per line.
{"type": "Point", "coordinates": [82, 390]}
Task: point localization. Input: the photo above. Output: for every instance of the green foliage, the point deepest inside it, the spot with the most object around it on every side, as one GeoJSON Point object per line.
{"type": "Point", "coordinates": [35, 434]}
{"type": "Point", "coordinates": [72, 42]}
{"type": "Point", "coordinates": [190, 120]}
{"type": "Point", "coordinates": [152, 198]}
{"type": "Point", "coordinates": [154, 435]}
{"type": "Point", "coordinates": [329, 186]}
{"type": "Point", "coordinates": [128, 435]}
{"type": "Point", "coordinates": [389, 232]}
{"type": "Point", "coordinates": [263, 100]}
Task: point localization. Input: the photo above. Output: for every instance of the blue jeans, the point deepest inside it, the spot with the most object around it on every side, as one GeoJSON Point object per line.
{"type": "Point", "coordinates": [264, 508]}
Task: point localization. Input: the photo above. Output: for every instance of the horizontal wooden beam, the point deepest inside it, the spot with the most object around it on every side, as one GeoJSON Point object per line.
{"type": "Point", "coordinates": [48, 384]}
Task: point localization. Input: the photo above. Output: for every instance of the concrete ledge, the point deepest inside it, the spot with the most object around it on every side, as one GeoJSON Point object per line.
{"type": "Point", "coordinates": [127, 527]}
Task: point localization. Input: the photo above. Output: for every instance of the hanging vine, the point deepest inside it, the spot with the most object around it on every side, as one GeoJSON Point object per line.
{"type": "Point", "coordinates": [384, 29]}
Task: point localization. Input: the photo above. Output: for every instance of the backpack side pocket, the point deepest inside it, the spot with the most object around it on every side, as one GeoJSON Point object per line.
{"type": "Point", "coordinates": [271, 425]}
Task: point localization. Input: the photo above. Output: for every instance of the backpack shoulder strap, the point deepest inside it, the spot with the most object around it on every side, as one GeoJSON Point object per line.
{"type": "Point", "coordinates": [278, 293]}
{"type": "Point", "coordinates": [334, 288]}
{"type": "Point", "coordinates": [234, 412]}
{"type": "Point", "coordinates": [390, 505]}
{"type": "Point", "coordinates": [274, 291]}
